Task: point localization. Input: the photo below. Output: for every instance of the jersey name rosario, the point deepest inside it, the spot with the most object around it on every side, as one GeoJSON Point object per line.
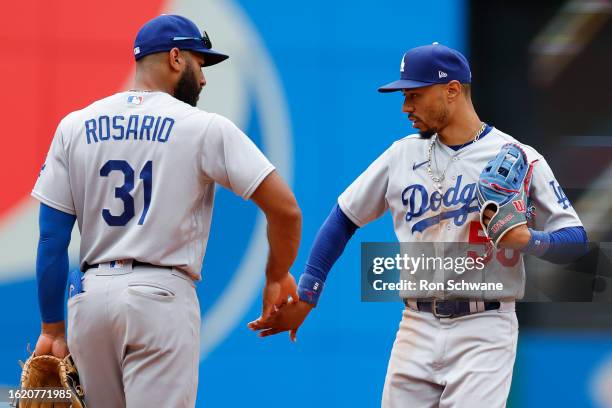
{"type": "Point", "coordinates": [137, 127]}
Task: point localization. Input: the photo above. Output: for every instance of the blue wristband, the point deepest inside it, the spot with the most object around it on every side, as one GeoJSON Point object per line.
{"type": "Point", "coordinates": [538, 243]}
{"type": "Point", "coordinates": [310, 288]}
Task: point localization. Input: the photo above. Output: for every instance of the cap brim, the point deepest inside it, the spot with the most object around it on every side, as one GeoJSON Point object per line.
{"type": "Point", "coordinates": [211, 57]}
{"type": "Point", "coordinates": [403, 84]}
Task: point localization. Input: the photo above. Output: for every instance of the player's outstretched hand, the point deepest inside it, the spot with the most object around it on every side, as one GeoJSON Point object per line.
{"type": "Point", "coordinates": [52, 340]}
{"type": "Point", "coordinates": [288, 317]}
{"type": "Point", "coordinates": [276, 293]}
{"type": "Point", "coordinates": [516, 238]}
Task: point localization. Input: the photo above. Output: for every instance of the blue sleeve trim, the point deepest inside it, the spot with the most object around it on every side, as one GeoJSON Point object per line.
{"type": "Point", "coordinates": [538, 243]}
{"type": "Point", "coordinates": [561, 246]}
{"type": "Point", "coordinates": [52, 261]}
{"type": "Point", "coordinates": [328, 245]}
{"type": "Point", "coordinates": [310, 288]}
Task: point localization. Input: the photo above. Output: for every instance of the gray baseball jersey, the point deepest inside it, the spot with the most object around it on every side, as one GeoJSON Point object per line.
{"type": "Point", "coordinates": [423, 212]}
{"type": "Point", "coordinates": [138, 169]}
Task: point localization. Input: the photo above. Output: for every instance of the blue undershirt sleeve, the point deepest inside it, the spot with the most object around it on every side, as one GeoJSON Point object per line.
{"type": "Point", "coordinates": [328, 245]}
{"type": "Point", "coordinates": [561, 246]}
{"type": "Point", "coordinates": [52, 261]}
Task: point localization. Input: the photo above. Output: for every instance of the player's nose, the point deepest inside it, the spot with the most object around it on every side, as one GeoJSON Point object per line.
{"type": "Point", "coordinates": [407, 107]}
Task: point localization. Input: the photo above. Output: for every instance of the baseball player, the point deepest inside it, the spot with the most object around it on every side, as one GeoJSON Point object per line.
{"type": "Point", "coordinates": [447, 353]}
{"type": "Point", "coordinates": [137, 170]}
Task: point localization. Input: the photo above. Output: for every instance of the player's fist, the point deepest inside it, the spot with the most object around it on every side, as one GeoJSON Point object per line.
{"type": "Point", "coordinates": [516, 238]}
{"type": "Point", "coordinates": [52, 340]}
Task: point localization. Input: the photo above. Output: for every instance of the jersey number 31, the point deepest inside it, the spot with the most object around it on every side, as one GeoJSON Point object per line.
{"type": "Point", "coordinates": [123, 192]}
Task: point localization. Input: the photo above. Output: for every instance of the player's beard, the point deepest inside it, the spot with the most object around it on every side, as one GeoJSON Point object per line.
{"type": "Point", "coordinates": [427, 133]}
{"type": "Point", "coordinates": [187, 89]}
{"type": "Point", "coordinates": [440, 118]}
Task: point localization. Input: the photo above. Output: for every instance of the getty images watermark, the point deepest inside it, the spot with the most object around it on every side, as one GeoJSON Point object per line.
{"type": "Point", "coordinates": [413, 264]}
{"type": "Point", "coordinates": [390, 271]}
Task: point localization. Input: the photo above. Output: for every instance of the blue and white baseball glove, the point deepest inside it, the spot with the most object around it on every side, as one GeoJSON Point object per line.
{"type": "Point", "coordinates": [503, 187]}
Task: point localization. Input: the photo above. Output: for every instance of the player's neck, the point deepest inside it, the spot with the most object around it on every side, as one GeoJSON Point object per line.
{"type": "Point", "coordinates": [143, 83]}
{"type": "Point", "coordinates": [461, 131]}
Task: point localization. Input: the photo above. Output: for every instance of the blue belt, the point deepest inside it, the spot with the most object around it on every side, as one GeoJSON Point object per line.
{"type": "Point", "coordinates": [451, 308]}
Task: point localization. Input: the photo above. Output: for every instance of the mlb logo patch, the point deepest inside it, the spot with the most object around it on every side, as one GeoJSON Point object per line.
{"type": "Point", "coordinates": [135, 99]}
{"type": "Point", "coordinates": [117, 264]}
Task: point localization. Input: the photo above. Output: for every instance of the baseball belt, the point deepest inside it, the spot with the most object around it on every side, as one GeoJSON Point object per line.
{"type": "Point", "coordinates": [134, 263]}
{"type": "Point", "coordinates": [452, 308]}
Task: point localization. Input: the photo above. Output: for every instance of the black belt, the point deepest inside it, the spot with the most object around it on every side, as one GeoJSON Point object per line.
{"type": "Point", "coordinates": [134, 263]}
{"type": "Point", "coordinates": [451, 308]}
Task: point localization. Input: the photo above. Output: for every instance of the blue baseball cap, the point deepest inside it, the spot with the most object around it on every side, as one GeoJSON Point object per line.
{"type": "Point", "coordinates": [169, 31]}
{"type": "Point", "coordinates": [430, 65]}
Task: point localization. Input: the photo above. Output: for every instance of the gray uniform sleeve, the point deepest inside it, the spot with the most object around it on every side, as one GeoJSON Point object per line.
{"type": "Point", "coordinates": [553, 209]}
{"type": "Point", "coordinates": [231, 159]}
{"type": "Point", "coordinates": [365, 199]}
{"type": "Point", "coordinates": [53, 185]}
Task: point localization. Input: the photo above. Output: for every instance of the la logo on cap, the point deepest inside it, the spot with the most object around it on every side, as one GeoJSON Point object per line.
{"type": "Point", "coordinates": [402, 63]}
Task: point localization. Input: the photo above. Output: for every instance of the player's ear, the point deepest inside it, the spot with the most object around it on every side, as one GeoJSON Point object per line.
{"type": "Point", "coordinates": [175, 59]}
{"type": "Point", "coordinates": [453, 90]}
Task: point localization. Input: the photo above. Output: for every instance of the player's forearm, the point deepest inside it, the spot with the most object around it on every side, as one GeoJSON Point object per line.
{"type": "Point", "coordinates": [328, 245]}
{"type": "Point", "coordinates": [284, 233]}
{"type": "Point", "coordinates": [561, 246]}
{"type": "Point", "coordinates": [52, 262]}
{"type": "Point", "coordinates": [274, 197]}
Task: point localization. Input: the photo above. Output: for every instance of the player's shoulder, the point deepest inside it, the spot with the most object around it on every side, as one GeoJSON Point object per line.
{"type": "Point", "coordinates": [219, 120]}
{"type": "Point", "coordinates": [501, 138]}
{"type": "Point", "coordinates": [222, 125]}
{"type": "Point", "coordinates": [408, 142]}
{"type": "Point", "coordinates": [413, 138]}
{"type": "Point", "coordinates": [88, 110]}
{"type": "Point", "coordinates": [73, 120]}
{"type": "Point", "coordinates": [409, 146]}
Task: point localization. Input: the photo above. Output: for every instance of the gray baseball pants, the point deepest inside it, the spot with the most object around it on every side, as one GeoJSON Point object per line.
{"type": "Point", "coordinates": [464, 362]}
{"type": "Point", "coordinates": [134, 336]}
